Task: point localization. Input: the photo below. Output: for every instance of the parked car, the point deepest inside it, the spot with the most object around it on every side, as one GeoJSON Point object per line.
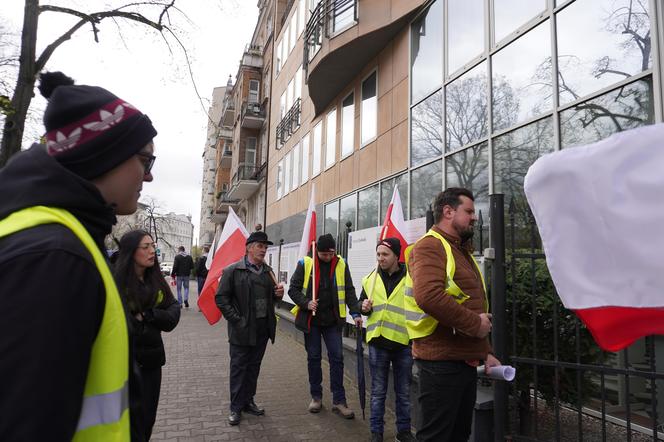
{"type": "Point", "coordinates": [166, 268]}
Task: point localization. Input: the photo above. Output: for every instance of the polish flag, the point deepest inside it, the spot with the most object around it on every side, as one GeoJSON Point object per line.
{"type": "Point", "coordinates": [228, 249]}
{"type": "Point", "coordinates": [394, 226]}
{"type": "Point", "coordinates": [599, 212]}
{"type": "Point", "coordinates": [309, 232]}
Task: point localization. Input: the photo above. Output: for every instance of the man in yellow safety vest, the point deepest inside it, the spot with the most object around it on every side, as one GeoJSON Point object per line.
{"type": "Point", "coordinates": [447, 319]}
{"type": "Point", "coordinates": [382, 301]}
{"type": "Point", "coordinates": [64, 351]}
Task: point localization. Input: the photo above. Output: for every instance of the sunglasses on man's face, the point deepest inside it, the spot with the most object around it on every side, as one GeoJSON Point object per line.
{"type": "Point", "coordinates": [148, 162]}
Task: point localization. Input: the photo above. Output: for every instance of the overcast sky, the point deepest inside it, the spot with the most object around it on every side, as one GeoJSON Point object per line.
{"type": "Point", "coordinates": [140, 69]}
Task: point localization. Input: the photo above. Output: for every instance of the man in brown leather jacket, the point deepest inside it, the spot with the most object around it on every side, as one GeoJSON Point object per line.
{"type": "Point", "coordinates": [448, 357]}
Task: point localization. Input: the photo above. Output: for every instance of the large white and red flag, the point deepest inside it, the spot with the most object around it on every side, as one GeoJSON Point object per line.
{"type": "Point", "coordinates": [229, 248]}
{"type": "Point", "coordinates": [599, 212]}
{"type": "Point", "coordinates": [309, 232]}
{"type": "Point", "coordinates": [394, 225]}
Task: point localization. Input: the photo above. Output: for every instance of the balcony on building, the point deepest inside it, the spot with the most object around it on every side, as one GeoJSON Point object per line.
{"type": "Point", "coordinates": [289, 124]}
{"type": "Point", "coordinates": [246, 181]}
{"type": "Point", "coordinates": [343, 36]}
{"type": "Point", "coordinates": [225, 133]}
{"type": "Point", "coordinates": [226, 157]}
{"type": "Point", "coordinates": [228, 114]}
{"type": "Point", "coordinates": [252, 115]}
{"type": "Point", "coordinates": [224, 202]}
{"type": "Point", "coordinates": [253, 56]}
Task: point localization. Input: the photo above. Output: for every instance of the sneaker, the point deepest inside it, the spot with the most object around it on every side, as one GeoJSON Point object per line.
{"type": "Point", "coordinates": [343, 411]}
{"type": "Point", "coordinates": [315, 405]}
{"type": "Point", "coordinates": [186, 304]}
{"type": "Point", "coordinates": [405, 436]}
{"type": "Point", "coordinates": [376, 437]}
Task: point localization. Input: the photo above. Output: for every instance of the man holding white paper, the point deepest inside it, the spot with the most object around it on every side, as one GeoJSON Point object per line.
{"type": "Point", "coordinates": [447, 318]}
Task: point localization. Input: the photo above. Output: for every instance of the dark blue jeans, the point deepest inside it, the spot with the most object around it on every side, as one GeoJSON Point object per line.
{"type": "Point", "coordinates": [402, 366]}
{"type": "Point", "coordinates": [312, 342]}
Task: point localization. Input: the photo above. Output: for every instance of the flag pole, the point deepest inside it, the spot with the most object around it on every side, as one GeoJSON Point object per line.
{"type": "Point", "coordinates": [313, 276]}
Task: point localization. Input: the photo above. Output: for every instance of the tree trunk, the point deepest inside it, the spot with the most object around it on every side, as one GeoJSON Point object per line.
{"type": "Point", "coordinates": [12, 134]}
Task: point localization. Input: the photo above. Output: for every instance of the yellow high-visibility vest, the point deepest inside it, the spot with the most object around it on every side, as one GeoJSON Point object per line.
{"type": "Point", "coordinates": [340, 276]}
{"type": "Point", "coordinates": [419, 323]}
{"type": "Point", "coordinates": [388, 317]}
{"type": "Point", "coordinates": [105, 409]}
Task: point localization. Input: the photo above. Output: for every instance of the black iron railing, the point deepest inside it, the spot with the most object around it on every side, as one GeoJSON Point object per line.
{"type": "Point", "coordinates": [289, 124]}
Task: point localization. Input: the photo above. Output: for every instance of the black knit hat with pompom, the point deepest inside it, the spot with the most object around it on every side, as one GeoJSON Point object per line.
{"type": "Point", "coordinates": [89, 130]}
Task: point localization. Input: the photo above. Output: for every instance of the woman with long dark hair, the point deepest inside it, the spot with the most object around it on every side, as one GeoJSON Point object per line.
{"type": "Point", "coordinates": [151, 309]}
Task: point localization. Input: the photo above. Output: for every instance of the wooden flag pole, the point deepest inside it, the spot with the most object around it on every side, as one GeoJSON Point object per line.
{"type": "Point", "coordinates": [313, 276]}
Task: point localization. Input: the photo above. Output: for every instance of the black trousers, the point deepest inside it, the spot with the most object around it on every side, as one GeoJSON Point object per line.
{"type": "Point", "coordinates": [246, 366]}
{"type": "Point", "coordinates": [151, 389]}
{"type": "Point", "coordinates": [446, 398]}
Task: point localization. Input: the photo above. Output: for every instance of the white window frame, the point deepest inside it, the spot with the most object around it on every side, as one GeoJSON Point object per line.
{"type": "Point", "coordinates": [282, 105]}
{"type": "Point", "coordinates": [254, 93]}
{"type": "Point", "coordinates": [364, 142]}
{"type": "Point", "coordinates": [330, 138]}
{"type": "Point", "coordinates": [298, 84]}
{"type": "Point", "coordinates": [280, 55]}
{"type": "Point", "coordinates": [287, 175]}
{"type": "Point", "coordinates": [345, 149]}
{"type": "Point", "coordinates": [317, 145]}
{"type": "Point", "coordinates": [248, 150]}
{"type": "Point", "coordinates": [295, 169]}
{"type": "Point", "coordinates": [302, 17]}
{"type": "Point", "coordinates": [304, 177]}
{"type": "Point", "coordinates": [280, 179]}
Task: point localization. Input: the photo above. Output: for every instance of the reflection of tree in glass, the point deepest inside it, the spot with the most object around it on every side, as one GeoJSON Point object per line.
{"type": "Point", "coordinates": [469, 169]}
{"type": "Point", "coordinates": [426, 183]}
{"type": "Point", "coordinates": [427, 129]}
{"type": "Point", "coordinates": [367, 215]}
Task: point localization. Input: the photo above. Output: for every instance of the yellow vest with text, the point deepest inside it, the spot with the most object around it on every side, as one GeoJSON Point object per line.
{"type": "Point", "coordinates": [340, 277]}
{"type": "Point", "coordinates": [419, 323]}
{"type": "Point", "coordinates": [387, 318]}
{"type": "Point", "coordinates": [105, 406]}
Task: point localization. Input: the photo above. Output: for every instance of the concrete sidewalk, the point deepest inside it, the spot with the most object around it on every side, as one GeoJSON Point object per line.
{"type": "Point", "coordinates": [194, 402]}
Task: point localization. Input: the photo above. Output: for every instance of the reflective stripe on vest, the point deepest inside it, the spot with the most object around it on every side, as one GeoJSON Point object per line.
{"type": "Point", "coordinates": [387, 318]}
{"type": "Point", "coordinates": [340, 278]}
{"type": "Point", "coordinates": [105, 412]}
{"type": "Point", "coordinates": [419, 323]}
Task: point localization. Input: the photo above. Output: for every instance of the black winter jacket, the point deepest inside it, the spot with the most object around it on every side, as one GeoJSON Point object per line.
{"type": "Point", "coordinates": [182, 265]}
{"type": "Point", "coordinates": [148, 345]}
{"type": "Point", "coordinates": [236, 303]}
{"type": "Point", "coordinates": [52, 299]}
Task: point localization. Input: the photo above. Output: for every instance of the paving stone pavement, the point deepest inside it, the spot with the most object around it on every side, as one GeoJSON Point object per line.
{"type": "Point", "coordinates": [194, 401]}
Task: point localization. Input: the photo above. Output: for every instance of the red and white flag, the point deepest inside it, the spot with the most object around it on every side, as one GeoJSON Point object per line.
{"type": "Point", "coordinates": [228, 249]}
{"type": "Point", "coordinates": [599, 212]}
{"type": "Point", "coordinates": [394, 225]}
{"type": "Point", "coordinates": [309, 232]}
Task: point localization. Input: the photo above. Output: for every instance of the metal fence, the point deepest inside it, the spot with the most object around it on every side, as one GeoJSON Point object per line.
{"type": "Point", "coordinates": [566, 388]}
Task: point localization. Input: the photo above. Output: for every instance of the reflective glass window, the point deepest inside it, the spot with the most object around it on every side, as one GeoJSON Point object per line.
{"type": "Point", "coordinates": [615, 36]}
{"type": "Point", "coordinates": [515, 151]}
{"type": "Point", "coordinates": [428, 180]}
{"type": "Point", "coordinates": [426, 52]}
{"type": "Point", "coordinates": [465, 32]}
{"type": "Point", "coordinates": [367, 215]}
{"type": "Point", "coordinates": [511, 14]}
{"type": "Point", "coordinates": [317, 146]}
{"type": "Point", "coordinates": [332, 218]}
{"type": "Point", "coordinates": [470, 169]}
{"type": "Point", "coordinates": [305, 158]}
{"type": "Point", "coordinates": [369, 110]}
{"type": "Point", "coordinates": [522, 78]}
{"type": "Point", "coordinates": [386, 190]}
{"type": "Point", "coordinates": [426, 129]}
{"type": "Point", "coordinates": [624, 108]}
{"type": "Point", "coordinates": [347, 126]}
{"type": "Point", "coordinates": [331, 139]}
{"type": "Point", "coordinates": [347, 211]}
{"type": "Point", "coordinates": [466, 108]}
{"type": "Point", "coordinates": [344, 14]}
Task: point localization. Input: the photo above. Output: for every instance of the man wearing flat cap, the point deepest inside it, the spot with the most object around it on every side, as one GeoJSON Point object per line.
{"type": "Point", "coordinates": [323, 318]}
{"type": "Point", "coordinates": [246, 296]}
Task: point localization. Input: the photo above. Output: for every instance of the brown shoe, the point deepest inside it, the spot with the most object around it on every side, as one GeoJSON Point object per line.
{"type": "Point", "coordinates": [315, 405]}
{"type": "Point", "coordinates": [343, 411]}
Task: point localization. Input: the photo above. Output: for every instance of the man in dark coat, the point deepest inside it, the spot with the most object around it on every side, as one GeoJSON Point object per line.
{"type": "Point", "coordinates": [182, 267]}
{"type": "Point", "coordinates": [201, 269]}
{"type": "Point", "coordinates": [246, 296]}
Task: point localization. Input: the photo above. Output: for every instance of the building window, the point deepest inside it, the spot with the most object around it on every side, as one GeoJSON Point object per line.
{"type": "Point", "coordinates": [317, 146]}
{"type": "Point", "coordinates": [367, 213]}
{"type": "Point", "coordinates": [254, 91]}
{"type": "Point", "coordinates": [280, 55]}
{"type": "Point", "coordinates": [466, 108]}
{"type": "Point", "coordinates": [296, 166]}
{"type": "Point", "coordinates": [510, 14]}
{"type": "Point", "coordinates": [465, 30]}
{"type": "Point", "coordinates": [282, 104]}
{"type": "Point", "coordinates": [305, 158]}
{"type": "Point", "coordinates": [428, 180]}
{"type": "Point", "coordinates": [298, 83]}
{"type": "Point", "coordinates": [347, 212]}
{"type": "Point", "coordinates": [426, 129]}
{"type": "Point", "coordinates": [469, 168]}
{"type": "Point", "coordinates": [332, 218]}
{"type": "Point", "coordinates": [331, 139]}
{"type": "Point", "coordinates": [287, 173]}
{"type": "Point", "coordinates": [386, 190]}
{"type": "Point", "coordinates": [301, 11]}
{"type": "Point", "coordinates": [250, 151]}
{"type": "Point", "coordinates": [280, 179]}
{"type": "Point", "coordinates": [426, 52]}
{"type": "Point", "coordinates": [347, 126]}
{"type": "Point", "coordinates": [292, 38]}
{"type": "Point", "coordinates": [344, 14]}
{"type": "Point", "coordinates": [290, 91]}
{"type": "Point", "coordinates": [369, 109]}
